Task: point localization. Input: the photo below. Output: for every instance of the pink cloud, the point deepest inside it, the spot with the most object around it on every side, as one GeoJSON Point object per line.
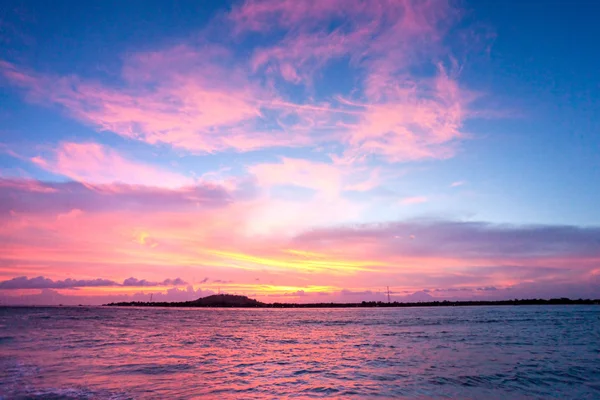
{"type": "Point", "coordinates": [195, 104]}
{"type": "Point", "coordinates": [55, 297]}
{"type": "Point", "coordinates": [416, 121]}
{"type": "Point", "coordinates": [203, 103]}
{"type": "Point", "coordinates": [69, 199]}
{"type": "Point", "coordinates": [297, 58]}
{"type": "Point", "coordinates": [320, 176]}
{"type": "Point", "coordinates": [414, 200]}
{"type": "Point", "coordinates": [94, 163]}
{"type": "Point", "coordinates": [125, 216]}
{"type": "Point", "coordinates": [268, 15]}
{"type": "Point", "coordinates": [207, 241]}
{"type": "Point", "coordinates": [198, 109]}
{"type": "Point", "coordinates": [400, 117]}
{"type": "Point", "coordinates": [40, 282]}
{"type": "Point", "coordinates": [374, 33]}
{"type": "Point", "coordinates": [328, 179]}
{"type": "Point", "coordinates": [327, 203]}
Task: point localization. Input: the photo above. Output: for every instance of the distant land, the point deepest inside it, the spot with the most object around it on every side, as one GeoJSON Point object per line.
{"type": "Point", "coordinates": [236, 301]}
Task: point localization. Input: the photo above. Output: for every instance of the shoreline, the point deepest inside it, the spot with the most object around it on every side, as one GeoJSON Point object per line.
{"type": "Point", "coordinates": [445, 303]}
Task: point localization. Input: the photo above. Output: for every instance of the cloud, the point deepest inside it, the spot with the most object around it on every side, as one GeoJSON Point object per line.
{"type": "Point", "coordinates": [463, 239]}
{"type": "Point", "coordinates": [451, 289]}
{"type": "Point", "coordinates": [210, 101]}
{"type": "Point", "coordinates": [22, 282]}
{"type": "Point", "coordinates": [298, 293]}
{"type": "Point", "coordinates": [40, 282]}
{"type": "Point", "coordinates": [414, 200]}
{"type": "Point", "coordinates": [268, 15]}
{"type": "Point", "coordinates": [54, 297]}
{"type": "Point", "coordinates": [416, 297]}
{"type": "Point", "coordinates": [22, 195]}
{"type": "Point", "coordinates": [222, 281]}
{"type": "Point", "coordinates": [322, 177]}
{"type": "Point", "coordinates": [96, 164]}
{"type": "Point", "coordinates": [195, 104]}
{"type": "Point", "coordinates": [487, 288]}
{"type": "Point", "coordinates": [327, 179]}
{"type": "Point", "coordinates": [457, 183]}
{"type": "Point", "coordinates": [399, 116]}
{"type": "Point", "coordinates": [143, 282]}
{"type": "Point", "coordinates": [526, 290]}
{"type": "Point", "coordinates": [347, 292]}
{"type": "Point", "coordinates": [283, 214]}
{"type": "Point", "coordinates": [60, 226]}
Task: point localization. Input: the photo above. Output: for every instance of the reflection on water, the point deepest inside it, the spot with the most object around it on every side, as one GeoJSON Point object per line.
{"type": "Point", "coordinates": [464, 352]}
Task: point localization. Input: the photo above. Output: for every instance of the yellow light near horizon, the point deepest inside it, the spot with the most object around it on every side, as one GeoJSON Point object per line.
{"type": "Point", "coordinates": [299, 264]}
{"type": "Point", "coordinates": [256, 289]}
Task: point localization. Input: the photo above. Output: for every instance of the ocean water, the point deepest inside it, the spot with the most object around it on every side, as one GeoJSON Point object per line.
{"type": "Point", "coordinates": [528, 352]}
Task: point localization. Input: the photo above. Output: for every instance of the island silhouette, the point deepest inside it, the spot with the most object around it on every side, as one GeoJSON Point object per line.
{"type": "Point", "coordinates": [239, 301]}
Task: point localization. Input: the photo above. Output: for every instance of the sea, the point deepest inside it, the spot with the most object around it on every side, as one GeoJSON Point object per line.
{"type": "Point", "coordinates": [501, 352]}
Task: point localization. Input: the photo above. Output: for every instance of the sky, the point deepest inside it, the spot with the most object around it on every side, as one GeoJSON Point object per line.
{"type": "Point", "coordinates": [299, 151]}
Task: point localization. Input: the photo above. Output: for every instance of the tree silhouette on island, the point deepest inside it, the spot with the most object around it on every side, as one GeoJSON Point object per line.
{"type": "Point", "coordinates": [237, 301]}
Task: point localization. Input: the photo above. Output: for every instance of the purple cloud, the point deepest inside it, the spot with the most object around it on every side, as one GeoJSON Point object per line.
{"type": "Point", "coordinates": [40, 282]}
{"type": "Point", "coordinates": [222, 281]}
{"type": "Point", "coordinates": [53, 297]}
{"type": "Point", "coordinates": [462, 239]}
{"type": "Point", "coordinates": [31, 196]}
{"type": "Point", "coordinates": [143, 282]}
{"type": "Point", "coordinates": [22, 282]}
{"type": "Point", "coordinates": [174, 282]}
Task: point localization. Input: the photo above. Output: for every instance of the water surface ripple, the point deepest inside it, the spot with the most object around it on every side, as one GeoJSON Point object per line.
{"type": "Point", "coordinates": [527, 352]}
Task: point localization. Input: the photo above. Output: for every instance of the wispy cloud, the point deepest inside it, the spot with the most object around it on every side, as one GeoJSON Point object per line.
{"type": "Point", "coordinates": [210, 101]}
{"type": "Point", "coordinates": [293, 208]}
{"type": "Point", "coordinates": [96, 164]}
{"type": "Point", "coordinates": [398, 116]}
{"type": "Point", "coordinates": [30, 196]}
{"type": "Point", "coordinates": [414, 200]}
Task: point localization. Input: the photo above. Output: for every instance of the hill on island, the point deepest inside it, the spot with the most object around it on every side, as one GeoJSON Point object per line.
{"type": "Point", "coordinates": [226, 300]}
{"type": "Point", "coordinates": [216, 300]}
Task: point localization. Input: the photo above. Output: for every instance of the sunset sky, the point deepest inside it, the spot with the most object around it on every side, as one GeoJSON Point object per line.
{"type": "Point", "coordinates": [298, 150]}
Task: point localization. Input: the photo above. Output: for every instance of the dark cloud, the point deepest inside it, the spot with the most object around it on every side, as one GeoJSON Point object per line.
{"type": "Point", "coordinates": [137, 282]}
{"type": "Point", "coordinates": [174, 282]}
{"type": "Point", "coordinates": [460, 289]}
{"type": "Point", "coordinates": [221, 281]}
{"type": "Point", "coordinates": [22, 282]}
{"type": "Point", "coordinates": [52, 297]}
{"type": "Point", "coordinates": [40, 282]}
{"type": "Point", "coordinates": [487, 288]}
{"type": "Point", "coordinates": [143, 282]}
{"type": "Point", "coordinates": [462, 239]}
{"type": "Point", "coordinates": [346, 292]}
{"type": "Point", "coordinates": [21, 195]}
